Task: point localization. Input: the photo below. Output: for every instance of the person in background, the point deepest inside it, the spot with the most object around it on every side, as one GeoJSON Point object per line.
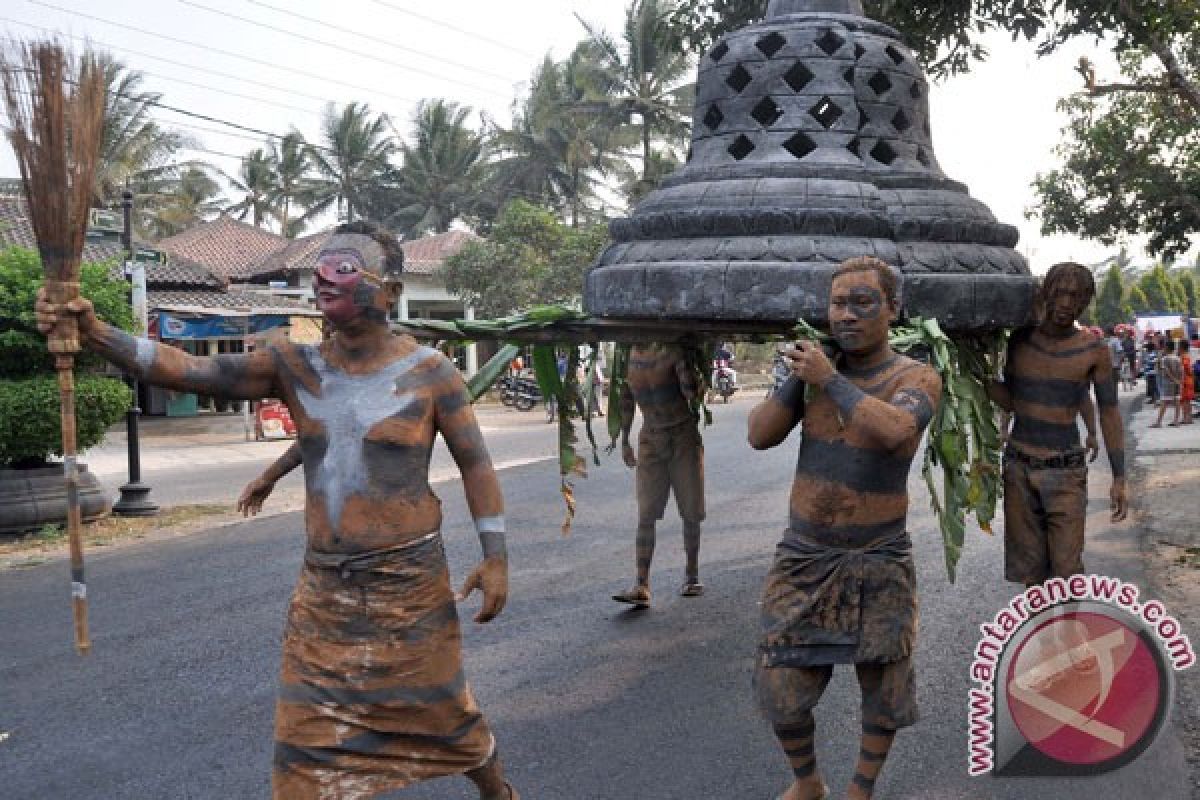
{"type": "Point", "coordinates": [1150, 370]}
{"type": "Point", "coordinates": [1129, 371]}
{"type": "Point", "coordinates": [1187, 390]}
{"type": "Point", "coordinates": [1170, 377]}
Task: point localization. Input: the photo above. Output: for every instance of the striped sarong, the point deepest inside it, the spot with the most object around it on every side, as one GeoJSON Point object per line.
{"type": "Point", "coordinates": [372, 695]}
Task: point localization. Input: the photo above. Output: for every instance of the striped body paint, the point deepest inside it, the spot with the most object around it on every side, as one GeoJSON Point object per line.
{"type": "Point", "coordinates": [1046, 381]}
{"type": "Point", "coordinates": [847, 488]}
{"type": "Point", "coordinates": [661, 382]}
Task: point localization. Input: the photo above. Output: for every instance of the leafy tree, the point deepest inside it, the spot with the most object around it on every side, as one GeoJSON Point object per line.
{"type": "Point", "coordinates": [1137, 300]}
{"type": "Point", "coordinates": [1111, 307]}
{"type": "Point", "coordinates": [442, 176]}
{"type": "Point", "coordinates": [1130, 165]}
{"type": "Point", "coordinates": [946, 34]}
{"type": "Point", "coordinates": [354, 152]}
{"type": "Point", "coordinates": [1160, 294]}
{"type": "Point", "coordinates": [22, 348]}
{"type": "Point", "coordinates": [1191, 298]}
{"type": "Point", "coordinates": [256, 184]}
{"type": "Point", "coordinates": [645, 77]}
{"type": "Point", "coordinates": [195, 198]}
{"type": "Point", "coordinates": [531, 258]}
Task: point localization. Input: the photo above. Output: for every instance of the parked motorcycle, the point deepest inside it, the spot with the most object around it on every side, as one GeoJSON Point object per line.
{"type": "Point", "coordinates": [724, 380]}
{"type": "Point", "coordinates": [519, 391]}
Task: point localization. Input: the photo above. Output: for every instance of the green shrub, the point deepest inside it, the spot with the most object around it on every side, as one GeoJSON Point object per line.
{"type": "Point", "coordinates": [30, 423]}
{"type": "Point", "coordinates": [22, 349]}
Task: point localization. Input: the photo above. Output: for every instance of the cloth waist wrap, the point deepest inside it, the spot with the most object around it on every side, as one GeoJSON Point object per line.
{"type": "Point", "coordinates": [826, 604]}
{"type": "Point", "coordinates": [372, 695]}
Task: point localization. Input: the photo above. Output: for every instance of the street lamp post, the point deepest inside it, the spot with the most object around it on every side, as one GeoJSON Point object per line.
{"type": "Point", "coordinates": [135, 495]}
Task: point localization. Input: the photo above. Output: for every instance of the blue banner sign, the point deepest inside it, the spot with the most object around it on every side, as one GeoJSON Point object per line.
{"type": "Point", "coordinates": [176, 327]}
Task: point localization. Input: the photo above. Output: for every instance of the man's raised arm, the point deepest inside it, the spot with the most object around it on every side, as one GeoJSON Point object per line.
{"type": "Point", "coordinates": [237, 377]}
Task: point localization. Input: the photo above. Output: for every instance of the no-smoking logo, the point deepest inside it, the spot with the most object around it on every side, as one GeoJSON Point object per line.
{"type": "Point", "coordinates": [1083, 691]}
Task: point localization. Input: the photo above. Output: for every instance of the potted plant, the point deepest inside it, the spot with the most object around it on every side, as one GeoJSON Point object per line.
{"type": "Point", "coordinates": [32, 488]}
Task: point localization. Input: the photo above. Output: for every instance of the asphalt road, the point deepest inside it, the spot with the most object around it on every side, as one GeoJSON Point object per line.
{"type": "Point", "coordinates": [587, 700]}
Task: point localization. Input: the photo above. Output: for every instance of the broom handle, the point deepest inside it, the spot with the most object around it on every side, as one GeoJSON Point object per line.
{"type": "Point", "coordinates": [66, 391]}
{"type": "Point", "coordinates": [64, 344]}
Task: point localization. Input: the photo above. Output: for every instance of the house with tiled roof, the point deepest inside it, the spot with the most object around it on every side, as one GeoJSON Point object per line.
{"type": "Point", "coordinates": [225, 246]}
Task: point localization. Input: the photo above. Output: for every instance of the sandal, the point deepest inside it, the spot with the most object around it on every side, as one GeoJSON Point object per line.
{"type": "Point", "coordinates": [638, 597]}
{"type": "Point", "coordinates": [692, 587]}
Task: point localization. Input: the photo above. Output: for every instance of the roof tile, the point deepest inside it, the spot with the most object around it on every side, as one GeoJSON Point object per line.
{"type": "Point", "coordinates": [225, 246]}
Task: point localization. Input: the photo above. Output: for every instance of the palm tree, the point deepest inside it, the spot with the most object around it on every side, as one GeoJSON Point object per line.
{"type": "Point", "coordinates": [196, 197]}
{"type": "Point", "coordinates": [290, 162]}
{"type": "Point", "coordinates": [136, 151]}
{"type": "Point", "coordinates": [554, 152]}
{"type": "Point", "coordinates": [257, 186]}
{"type": "Point", "coordinates": [353, 154]}
{"type": "Point", "coordinates": [442, 177]}
{"type": "Point", "coordinates": [645, 78]}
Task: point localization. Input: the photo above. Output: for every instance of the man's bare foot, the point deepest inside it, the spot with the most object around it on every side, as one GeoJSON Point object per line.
{"type": "Point", "coordinates": [807, 789]}
{"type": "Point", "coordinates": [692, 587]}
{"type": "Point", "coordinates": [638, 597]}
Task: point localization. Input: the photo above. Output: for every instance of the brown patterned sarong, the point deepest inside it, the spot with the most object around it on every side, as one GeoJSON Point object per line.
{"type": "Point", "coordinates": [372, 695]}
{"type": "Point", "coordinates": [839, 605]}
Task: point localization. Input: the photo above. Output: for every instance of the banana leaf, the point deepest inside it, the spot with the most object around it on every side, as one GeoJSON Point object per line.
{"type": "Point", "coordinates": [481, 381]}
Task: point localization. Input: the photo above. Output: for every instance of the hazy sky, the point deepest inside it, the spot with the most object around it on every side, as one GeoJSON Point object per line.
{"type": "Point", "coordinates": [994, 128]}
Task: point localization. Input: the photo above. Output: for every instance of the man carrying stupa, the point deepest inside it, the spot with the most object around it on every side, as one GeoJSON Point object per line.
{"type": "Point", "coordinates": [842, 589]}
{"type": "Point", "coordinates": [661, 381]}
{"type": "Point", "coordinates": [1046, 377]}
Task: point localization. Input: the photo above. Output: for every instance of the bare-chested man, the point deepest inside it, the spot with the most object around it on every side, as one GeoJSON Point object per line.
{"type": "Point", "coordinates": [372, 696]}
{"type": "Point", "coordinates": [670, 457]}
{"type": "Point", "coordinates": [842, 589]}
{"type": "Point", "coordinates": [1046, 378]}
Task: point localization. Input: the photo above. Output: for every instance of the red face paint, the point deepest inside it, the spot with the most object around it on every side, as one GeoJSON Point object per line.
{"type": "Point", "coordinates": [337, 277]}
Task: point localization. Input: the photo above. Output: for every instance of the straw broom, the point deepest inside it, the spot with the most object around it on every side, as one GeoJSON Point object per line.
{"type": "Point", "coordinates": [55, 106]}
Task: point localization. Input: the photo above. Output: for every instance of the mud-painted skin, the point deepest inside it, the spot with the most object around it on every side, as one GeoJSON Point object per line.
{"type": "Point", "coordinates": [862, 427]}
{"type": "Point", "coordinates": [670, 459]}
{"type": "Point", "coordinates": [1046, 380]}
{"type": "Point", "coordinates": [367, 406]}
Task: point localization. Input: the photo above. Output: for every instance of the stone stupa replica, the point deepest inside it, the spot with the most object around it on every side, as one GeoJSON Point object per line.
{"type": "Point", "coordinates": [811, 144]}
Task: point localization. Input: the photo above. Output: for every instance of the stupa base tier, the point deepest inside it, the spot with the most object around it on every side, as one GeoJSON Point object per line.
{"type": "Point", "coordinates": [766, 295]}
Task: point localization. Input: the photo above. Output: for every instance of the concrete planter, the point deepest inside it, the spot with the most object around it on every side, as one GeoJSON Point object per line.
{"type": "Point", "coordinates": [31, 498]}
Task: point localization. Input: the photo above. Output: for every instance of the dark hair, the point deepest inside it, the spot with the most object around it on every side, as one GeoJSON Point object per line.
{"type": "Point", "coordinates": [887, 278]}
{"type": "Point", "coordinates": [1183, 346]}
{"type": "Point", "coordinates": [393, 254]}
{"type": "Point", "coordinates": [1150, 345]}
{"type": "Point", "coordinates": [1069, 269]}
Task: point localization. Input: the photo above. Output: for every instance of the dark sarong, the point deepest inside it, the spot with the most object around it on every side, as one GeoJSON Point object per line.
{"type": "Point", "coordinates": [839, 605]}
{"type": "Point", "coordinates": [372, 695]}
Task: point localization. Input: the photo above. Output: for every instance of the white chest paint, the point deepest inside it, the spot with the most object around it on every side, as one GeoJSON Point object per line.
{"type": "Point", "coordinates": [348, 406]}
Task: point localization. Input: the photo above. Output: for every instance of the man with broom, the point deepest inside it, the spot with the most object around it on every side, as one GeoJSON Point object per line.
{"type": "Point", "coordinates": [842, 589]}
{"type": "Point", "coordinates": [372, 696]}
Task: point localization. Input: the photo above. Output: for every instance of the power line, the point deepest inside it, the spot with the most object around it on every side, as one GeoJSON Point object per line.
{"type": "Point", "coordinates": [370, 38]}
{"type": "Point", "coordinates": [313, 40]}
{"type": "Point", "coordinates": [249, 59]}
{"type": "Point", "coordinates": [454, 28]}
{"type": "Point", "coordinates": [185, 65]}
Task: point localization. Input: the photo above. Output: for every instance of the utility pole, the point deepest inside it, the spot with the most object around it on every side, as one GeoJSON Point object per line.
{"type": "Point", "coordinates": [135, 495]}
